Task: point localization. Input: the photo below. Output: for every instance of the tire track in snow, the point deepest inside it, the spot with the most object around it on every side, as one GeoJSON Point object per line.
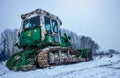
{"type": "Point", "coordinates": [60, 75]}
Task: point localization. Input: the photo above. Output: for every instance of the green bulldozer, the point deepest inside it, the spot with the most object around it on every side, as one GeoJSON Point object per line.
{"type": "Point", "coordinates": [43, 45]}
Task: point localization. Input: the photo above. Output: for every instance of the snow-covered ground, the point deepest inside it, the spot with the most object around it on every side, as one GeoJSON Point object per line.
{"type": "Point", "coordinates": [99, 68]}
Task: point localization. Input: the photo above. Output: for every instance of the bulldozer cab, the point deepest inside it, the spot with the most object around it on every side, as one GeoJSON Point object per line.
{"type": "Point", "coordinates": [40, 17]}
{"type": "Point", "coordinates": [49, 23]}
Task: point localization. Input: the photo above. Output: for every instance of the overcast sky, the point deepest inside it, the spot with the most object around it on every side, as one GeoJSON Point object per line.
{"type": "Point", "coordinates": [98, 19]}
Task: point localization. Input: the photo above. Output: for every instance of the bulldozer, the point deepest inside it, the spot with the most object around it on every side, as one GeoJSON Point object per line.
{"type": "Point", "coordinates": [43, 45]}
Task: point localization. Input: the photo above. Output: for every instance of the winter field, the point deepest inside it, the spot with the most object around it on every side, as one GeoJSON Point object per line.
{"type": "Point", "coordinates": [98, 68]}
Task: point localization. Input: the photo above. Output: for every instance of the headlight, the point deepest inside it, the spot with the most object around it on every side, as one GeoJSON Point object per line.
{"type": "Point", "coordinates": [23, 16]}
{"type": "Point", "coordinates": [38, 11]}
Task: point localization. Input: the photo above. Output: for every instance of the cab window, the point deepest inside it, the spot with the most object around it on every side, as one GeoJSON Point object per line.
{"type": "Point", "coordinates": [26, 24]}
{"type": "Point", "coordinates": [48, 25]}
{"type": "Point", "coordinates": [29, 23]}
{"type": "Point", "coordinates": [35, 21]}
{"type": "Point", "coordinates": [55, 26]}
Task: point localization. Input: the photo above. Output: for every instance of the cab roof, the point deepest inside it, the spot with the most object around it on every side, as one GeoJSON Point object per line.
{"type": "Point", "coordinates": [39, 12]}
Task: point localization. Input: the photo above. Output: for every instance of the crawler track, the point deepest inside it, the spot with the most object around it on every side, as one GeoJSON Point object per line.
{"type": "Point", "coordinates": [56, 56]}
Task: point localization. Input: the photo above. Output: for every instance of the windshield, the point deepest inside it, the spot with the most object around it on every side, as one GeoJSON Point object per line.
{"type": "Point", "coordinates": [35, 21]}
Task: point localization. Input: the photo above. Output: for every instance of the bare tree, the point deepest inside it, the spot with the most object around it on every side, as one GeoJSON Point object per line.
{"type": "Point", "coordinates": [14, 41]}
{"type": "Point", "coordinates": [11, 38]}
{"type": "Point", "coordinates": [5, 35]}
{"type": "Point", "coordinates": [81, 42]}
{"type": "Point", "coordinates": [87, 42]}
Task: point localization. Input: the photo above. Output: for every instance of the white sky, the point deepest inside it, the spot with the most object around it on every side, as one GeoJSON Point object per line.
{"type": "Point", "coordinates": [99, 19]}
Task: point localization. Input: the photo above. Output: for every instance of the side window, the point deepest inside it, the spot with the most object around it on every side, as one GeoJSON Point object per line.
{"type": "Point", "coordinates": [47, 25]}
{"type": "Point", "coordinates": [54, 25]}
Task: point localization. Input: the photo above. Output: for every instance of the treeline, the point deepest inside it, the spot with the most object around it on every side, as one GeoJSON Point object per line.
{"type": "Point", "coordinates": [81, 42]}
{"type": "Point", "coordinates": [78, 42]}
{"type": "Point", "coordinates": [108, 52]}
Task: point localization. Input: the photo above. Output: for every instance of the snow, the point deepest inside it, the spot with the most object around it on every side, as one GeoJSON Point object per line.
{"type": "Point", "coordinates": [98, 68]}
